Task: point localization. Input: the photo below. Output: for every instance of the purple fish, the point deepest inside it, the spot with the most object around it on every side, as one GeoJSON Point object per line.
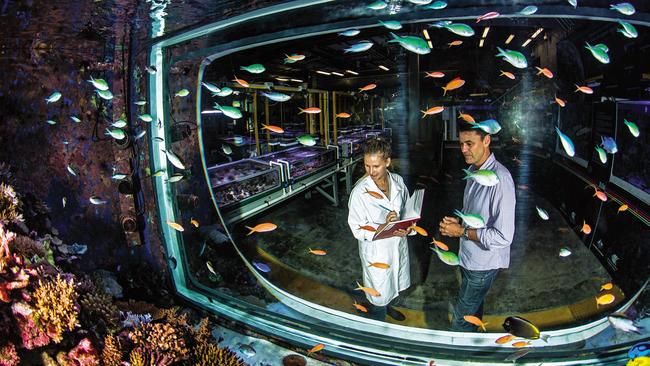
{"type": "Point", "coordinates": [608, 144]}
{"type": "Point", "coordinates": [262, 267]}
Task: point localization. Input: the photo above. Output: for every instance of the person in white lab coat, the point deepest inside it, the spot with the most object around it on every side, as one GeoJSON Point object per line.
{"type": "Point", "coordinates": [377, 199]}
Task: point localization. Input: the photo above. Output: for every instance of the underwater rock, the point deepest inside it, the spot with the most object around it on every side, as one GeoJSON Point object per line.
{"type": "Point", "coordinates": [110, 283]}
{"type": "Point", "coordinates": [294, 360]}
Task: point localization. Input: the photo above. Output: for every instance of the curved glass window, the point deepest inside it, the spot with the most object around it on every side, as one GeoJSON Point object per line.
{"type": "Point", "coordinates": [253, 197]}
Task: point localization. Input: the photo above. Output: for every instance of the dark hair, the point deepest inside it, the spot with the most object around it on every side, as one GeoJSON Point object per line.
{"type": "Point", "coordinates": [377, 145]}
{"type": "Point", "coordinates": [464, 126]}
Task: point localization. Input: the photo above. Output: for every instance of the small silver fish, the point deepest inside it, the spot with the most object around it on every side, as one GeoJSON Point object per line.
{"type": "Point", "coordinates": [75, 118]}
{"type": "Point", "coordinates": [542, 213]}
{"type": "Point", "coordinates": [118, 176]}
{"type": "Point", "coordinates": [226, 149]}
{"type": "Point", "coordinates": [159, 139]}
{"type": "Point", "coordinates": [151, 69]}
{"type": "Point", "coordinates": [140, 134]}
{"type": "Point", "coordinates": [175, 178]}
{"type": "Point", "coordinates": [210, 268]}
{"type": "Point", "coordinates": [145, 117]}
{"type": "Point", "coordinates": [140, 102]}
{"type": "Point", "coordinates": [64, 201]}
{"type": "Point", "coordinates": [246, 349]}
{"type": "Point", "coordinates": [120, 123]}
{"type": "Point", "coordinates": [97, 201]}
{"type": "Point", "coordinates": [565, 252]}
{"type": "Point", "coordinates": [53, 97]}
{"type": "Point", "coordinates": [105, 94]}
{"type": "Point", "coordinates": [51, 122]}
{"type": "Point", "coordinates": [71, 170]}
{"type": "Point", "coordinates": [174, 159]}
{"type": "Point", "coordinates": [624, 324]}
{"type": "Point", "coordinates": [99, 84]}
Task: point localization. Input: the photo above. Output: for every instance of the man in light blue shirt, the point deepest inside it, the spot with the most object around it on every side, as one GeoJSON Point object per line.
{"type": "Point", "coordinates": [486, 249]}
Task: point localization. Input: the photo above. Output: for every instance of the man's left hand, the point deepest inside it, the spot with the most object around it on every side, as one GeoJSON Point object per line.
{"type": "Point", "coordinates": [451, 229]}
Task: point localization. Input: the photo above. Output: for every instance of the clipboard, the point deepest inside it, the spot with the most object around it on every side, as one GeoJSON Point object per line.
{"type": "Point", "coordinates": [412, 210]}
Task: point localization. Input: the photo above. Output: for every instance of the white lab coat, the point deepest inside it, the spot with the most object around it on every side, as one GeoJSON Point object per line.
{"type": "Point", "coordinates": [365, 210]}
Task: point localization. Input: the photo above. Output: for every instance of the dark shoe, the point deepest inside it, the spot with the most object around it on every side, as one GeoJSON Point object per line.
{"type": "Point", "coordinates": [393, 313]}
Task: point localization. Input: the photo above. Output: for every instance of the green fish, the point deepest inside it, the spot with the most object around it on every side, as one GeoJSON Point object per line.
{"type": "Point", "coordinates": [140, 102]}
{"type": "Point", "coordinates": [145, 117]}
{"type": "Point", "coordinates": [623, 8]}
{"type": "Point", "coordinates": [254, 68]}
{"type": "Point", "coordinates": [53, 97]}
{"type": "Point", "coordinates": [175, 160]}
{"type": "Point", "coordinates": [391, 24]}
{"type": "Point", "coordinates": [120, 123]}
{"type": "Point", "coordinates": [224, 92]}
{"type": "Point", "coordinates": [602, 154]}
{"type": "Point", "coordinates": [515, 58]}
{"type": "Point", "coordinates": [412, 43]}
{"type": "Point", "coordinates": [598, 53]}
{"type": "Point", "coordinates": [603, 47]}
{"type": "Point", "coordinates": [182, 93]}
{"type": "Point", "coordinates": [236, 103]}
{"type": "Point", "coordinates": [436, 5]}
{"type": "Point", "coordinates": [307, 140]}
{"type": "Point", "coordinates": [105, 94]}
{"type": "Point", "coordinates": [116, 133]}
{"type": "Point", "coordinates": [377, 5]}
{"type": "Point", "coordinates": [175, 178]}
{"type": "Point", "coordinates": [634, 129]}
{"type": "Point", "coordinates": [484, 177]}
{"type": "Point", "coordinates": [99, 84]}
{"type": "Point", "coordinates": [211, 87]}
{"type": "Point", "coordinates": [461, 29]}
{"type": "Point", "coordinates": [628, 29]}
{"type": "Point", "coordinates": [231, 112]}
{"type": "Point", "coordinates": [472, 220]}
{"type": "Point", "coordinates": [447, 257]}
{"type": "Point", "coordinates": [75, 118]}
{"type": "Point", "coordinates": [51, 121]}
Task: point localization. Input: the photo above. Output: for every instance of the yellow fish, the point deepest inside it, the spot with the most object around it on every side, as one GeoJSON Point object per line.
{"type": "Point", "coordinates": [272, 128]}
{"type": "Point", "coordinates": [241, 82]}
{"type": "Point", "coordinates": [369, 290]}
{"type": "Point", "coordinates": [317, 251]}
{"type": "Point", "coordinates": [368, 228]}
{"type": "Point", "coordinates": [379, 265]}
{"type": "Point", "coordinates": [605, 299]}
{"type": "Point", "coordinates": [262, 228]}
{"type": "Point", "coordinates": [521, 344]}
{"type": "Point", "coordinates": [440, 244]}
{"type": "Point", "coordinates": [505, 339]}
{"type": "Point", "coordinates": [507, 74]}
{"type": "Point", "coordinates": [454, 84]}
{"type": "Point", "coordinates": [433, 110]}
{"type": "Point", "coordinates": [194, 222]}
{"type": "Point", "coordinates": [548, 73]}
{"type": "Point", "coordinates": [607, 286]}
{"type": "Point", "coordinates": [622, 208]}
{"type": "Point", "coordinates": [343, 115]}
{"type": "Point", "coordinates": [419, 230]}
{"type": "Point", "coordinates": [368, 87]}
{"type": "Point", "coordinates": [360, 307]}
{"type": "Point", "coordinates": [585, 228]}
{"type": "Point", "coordinates": [316, 348]}
{"type": "Point", "coordinates": [374, 194]}
{"type": "Point", "coordinates": [559, 101]}
{"type": "Point", "coordinates": [476, 321]}
{"type": "Point", "coordinates": [467, 117]}
{"type": "Point", "coordinates": [175, 226]}
{"type": "Point", "coordinates": [455, 43]}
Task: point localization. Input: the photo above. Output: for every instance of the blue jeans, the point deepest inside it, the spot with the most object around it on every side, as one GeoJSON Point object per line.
{"type": "Point", "coordinates": [471, 295]}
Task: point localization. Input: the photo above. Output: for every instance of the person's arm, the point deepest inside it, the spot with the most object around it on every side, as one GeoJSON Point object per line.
{"type": "Point", "coordinates": [357, 218]}
{"type": "Point", "coordinates": [502, 213]}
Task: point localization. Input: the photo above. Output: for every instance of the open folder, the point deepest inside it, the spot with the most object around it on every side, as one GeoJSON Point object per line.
{"type": "Point", "coordinates": [410, 215]}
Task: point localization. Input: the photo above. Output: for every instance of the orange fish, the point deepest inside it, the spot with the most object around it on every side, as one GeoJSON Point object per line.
{"type": "Point", "coordinates": [434, 74]}
{"type": "Point", "coordinates": [272, 128]}
{"type": "Point", "coordinates": [476, 321]}
{"type": "Point", "coordinates": [546, 72]}
{"type": "Point", "coordinates": [601, 195]}
{"type": "Point", "coordinates": [175, 226]}
{"type": "Point", "coordinates": [607, 286]}
{"type": "Point", "coordinates": [194, 222]}
{"type": "Point", "coordinates": [466, 117]}
{"type": "Point", "coordinates": [374, 194]}
{"type": "Point", "coordinates": [368, 228]}
{"type": "Point", "coordinates": [486, 16]}
{"type": "Point", "coordinates": [605, 299]}
{"type": "Point", "coordinates": [379, 265]}
{"type": "Point", "coordinates": [343, 115]}
{"type": "Point", "coordinates": [360, 307]}
{"type": "Point", "coordinates": [440, 244]}
{"type": "Point", "coordinates": [262, 228]}
{"type": "Point", "coordinates": [559, 101]}
{"type": "Point", "coordinates": [419, 230]}
{"type": "Point", "coordinates": [241, 82]}
{"type": "Point", "coordinates": [584, 89]}
{"type": "Point", "coordinates": [507, 74]}
{"type": "Point", "coordinates": [433, 110]}
{"type": "Point", "coordinates": [521, 344]}
{"type": "Point", "coordinates": [505, 339]}
{"type": "Point", "coordinates": [370, 291]}
{"type": "Point", "coordinates": [295, 57]}
{"type": "Point", "coordinates": [310, 110]}
{"type": "Point", "coordinates": [622, 208]}
{"type": "Point", "coordinates": [316, 348]}
{"type": "Point", "coordinates": [585, 228]}
{"type": "Point", "coordinates": [454, 84]}
{"type": "Point", "coordinates": [317, 251]}
{"type": "Point", "coordinates": [455, 43]}
{"type": "Point", "coordinates": [368, 87]}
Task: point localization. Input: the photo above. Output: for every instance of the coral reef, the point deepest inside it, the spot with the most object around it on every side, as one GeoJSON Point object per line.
{"type": "Point", "coordinates": [56, 308]}
{"type": "Point", "coordinates": [31, 335]}
{"type": "Point", "coordinates": [9, 205]}
{"type": "Point", "coordinates": [27, 247]}
{"type": "Point", "coordinates": [83, 354]}
{"type": "Point", "coordinates": [8, 355]}
{"type": "Point", "coordinates": [112, 352]}
{"type": "Point", "coordinates": [208, 354]}
{"type": "Point", "coordinates": [161, 339]}
{"type": "Point", "coordinates": [98, 312]}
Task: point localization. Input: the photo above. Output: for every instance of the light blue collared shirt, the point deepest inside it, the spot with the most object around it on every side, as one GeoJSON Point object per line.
{"type": "Point", "coordinates": [496, 205]}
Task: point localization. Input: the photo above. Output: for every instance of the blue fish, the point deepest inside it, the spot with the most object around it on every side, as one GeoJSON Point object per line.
{"type": "Point", "coordinates": [529, 10]}
{"type": "Point", "coordinates": [359, 47]}
{"type": "Point", "coordinates": [262, 267]}
{"type": "Point", "coordinates": [608, 144]}
{"type": "Point", "coordinates": [441, 23]}
{"type": "Point", "coordinates": [436, 5]}
{"type": "Point", "coordinates": [349, 33]}
{"type": "Point", "coordinates": [639, 350]}
{"type": "Point", "coordinates": [567, 144]}
{"type": "Point", "coordinates": [490, 126]}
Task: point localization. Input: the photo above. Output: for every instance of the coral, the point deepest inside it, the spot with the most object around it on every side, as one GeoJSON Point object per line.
{"type": "Point", "coordinates": [207, 354]}
{"type": "Point", "coordinates": [112, 352]}
{"type": "Point", "coordinates": [137, 307]}
{"type": "Point", "coordinates": [56, 310]}
{"type": "Point", "coordinates": [13, 276]}
{"type": "Point", "coordinates": [98, 312]}
{"type": "Point", "coordinates": [161, 339]}
{"type": "Point", "coordinates": [84, 354]}
{"type": "Point", "coordinates": [137, 357]}
{"type": "Point", "coordinates": [27, 247]}
{"type": "Point", "coordinates": [8, 355]}
{"type": "Point", "coordinates": [6, 237]}
{"type": "Point", "coordinates": [172, 317]}
{"type": "Point", "coordinates": [203, 334]}
{"type": "Point", "coordinates": [131, 320]}
{"type": "Point", "coordinates": [9, 205]}
{"type": "Point", "coordinates": [31, 334]}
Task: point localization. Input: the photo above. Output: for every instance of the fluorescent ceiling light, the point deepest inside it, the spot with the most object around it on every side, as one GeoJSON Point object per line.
{"type": "Point", "coordinates": [485, 32]}
{"type": "Point", "coordinates": [281, 79]}
{"type": "Point", "coordinates": [480, 43]}
{"type": "Point", "coordinates": [426, 34]}
{"type": "Point", "coordinates": [337, 73]}
{"type": "Point", "coordinates": [526, 43]}
{"type": "Point", "coordinates": [430, 45]}
{"type": "Point", "coordinates": [210, 111]}
{"type": "Point", "coordinates": [537, 33]}
{"type": "Point", "coordinates": [383, 67]}
{"type": "Point", "coordinates": [510, 37]}
{"type": "Point", "coordinates": [297, 80]}
{"type": "Point", "coordinates": [352, 72]}
{"type": "Point", "coordinates": [323, 72]}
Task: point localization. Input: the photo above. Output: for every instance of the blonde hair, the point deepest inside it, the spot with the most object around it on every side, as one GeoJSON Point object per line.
{"type": "Point", "coordinates": [379, 146]}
